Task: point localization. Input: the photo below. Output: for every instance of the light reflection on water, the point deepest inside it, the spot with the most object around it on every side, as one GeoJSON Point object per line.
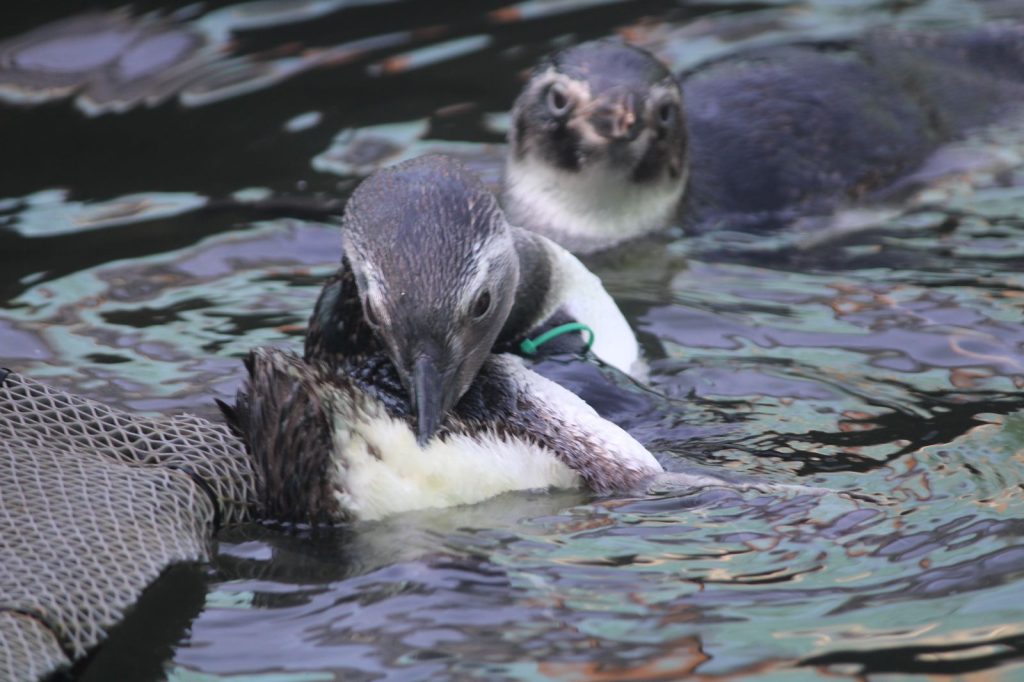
{"type": "Point", "coordinates": [885, 359]}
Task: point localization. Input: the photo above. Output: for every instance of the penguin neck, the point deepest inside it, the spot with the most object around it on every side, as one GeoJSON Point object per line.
{"type": "Point", "coordinates": [535, 300]}
{"type": "Point", "coordinates": [588, 210]}
{"type": "Point", "coordinates": [552, 280]}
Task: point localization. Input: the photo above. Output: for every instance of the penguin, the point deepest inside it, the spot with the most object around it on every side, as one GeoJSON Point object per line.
{"type": "Point", "coordinates": [606, 144]}
{"type": "Point", "coordinates": [407, 396]}
{"type": "Point", "coordinates": [434, 275]}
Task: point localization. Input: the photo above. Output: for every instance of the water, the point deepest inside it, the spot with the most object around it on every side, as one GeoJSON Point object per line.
{"type": "Point", "coordinates": [880, 354]}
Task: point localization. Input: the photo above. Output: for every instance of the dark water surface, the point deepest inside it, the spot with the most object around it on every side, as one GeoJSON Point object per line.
{"type": "Point", "coordinates": [882, 352]}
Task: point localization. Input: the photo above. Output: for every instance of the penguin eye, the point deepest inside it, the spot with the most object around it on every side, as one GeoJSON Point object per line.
{"type": "Point", "coordinates": [482, 305]}
{"type": "Point", "coordinates": [371, 314]}
{"type": "Point", "coordinates": [558, 100]}
{"type": "Point", "coordinates": [667, 113]}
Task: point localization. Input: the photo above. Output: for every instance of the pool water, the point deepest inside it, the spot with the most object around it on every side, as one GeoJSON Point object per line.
{"type": "Point", "coordinates": [878, 353]}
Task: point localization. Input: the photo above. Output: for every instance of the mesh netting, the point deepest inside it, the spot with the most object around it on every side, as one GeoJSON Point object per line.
{"type": "Point", "coordinates": [28, 649]}
{"type": "Point", "coordinates": [94, 504]}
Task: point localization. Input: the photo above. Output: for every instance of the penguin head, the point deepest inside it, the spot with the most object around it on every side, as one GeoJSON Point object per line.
{"type": "Point", "coordinates": [436, 269]}
{"type": "Point", "coordinates": [602, 104]}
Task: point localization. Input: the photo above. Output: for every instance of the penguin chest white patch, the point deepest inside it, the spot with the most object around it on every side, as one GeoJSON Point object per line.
{"type": "Point", "coordinates": [381, 470]}
{"type": "Point", "coordinates": [593, 208]}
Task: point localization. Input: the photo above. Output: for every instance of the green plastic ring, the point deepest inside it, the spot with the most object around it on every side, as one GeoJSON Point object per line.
{"type": "Point", "coordinates": [530, 346]}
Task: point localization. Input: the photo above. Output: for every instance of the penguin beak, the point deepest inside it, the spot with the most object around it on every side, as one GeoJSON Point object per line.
{"type": "Point", "coordinates": [617, 117]}
{"type": "Point", "coordinates": [428, 396]}
{"type": "Point", "coordinates": [433, 381]}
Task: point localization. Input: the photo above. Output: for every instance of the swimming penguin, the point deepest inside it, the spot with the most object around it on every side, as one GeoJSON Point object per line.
{"type": "Point", "coordinates": [606, 144]}
{"type": "Point", "coordinates": [435, 275]}
{"type": "Point", "coordinates": [400, 401]}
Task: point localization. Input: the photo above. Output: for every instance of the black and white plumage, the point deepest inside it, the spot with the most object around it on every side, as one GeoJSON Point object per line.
{"type": "Point", "coordinates": [597, 147]}
{"type": "Point", "coordinates": [606, 145]}
{"type": "Point", "coordinates": [338, 444]}
{"type": "Point", "coordinates": [441, 279]}
{"type": "Point", "coordinates": [400, 401]}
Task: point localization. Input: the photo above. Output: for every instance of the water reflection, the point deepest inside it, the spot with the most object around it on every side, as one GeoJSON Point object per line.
{"type": "Point", "coordinates": [112, 62]}
{"type": "Point", "coordinates": [603, 586]}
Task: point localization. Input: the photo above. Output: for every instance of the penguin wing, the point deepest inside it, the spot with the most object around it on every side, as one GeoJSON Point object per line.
{"type": "Point", "coordinates": [510, 399]}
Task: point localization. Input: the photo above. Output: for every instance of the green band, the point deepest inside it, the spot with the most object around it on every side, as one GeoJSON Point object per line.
{"type": "Point", "coordinates": [530, 346]}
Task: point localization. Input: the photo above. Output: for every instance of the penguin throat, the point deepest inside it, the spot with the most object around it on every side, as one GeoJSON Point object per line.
{"type": "Point", "coordinates": [590, 209]}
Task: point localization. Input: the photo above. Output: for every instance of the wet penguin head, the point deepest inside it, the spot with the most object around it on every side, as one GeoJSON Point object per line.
{"type": "Point", "coordinates": [598, 134]}
{"type": "Point", "coordinates": [436, 268]}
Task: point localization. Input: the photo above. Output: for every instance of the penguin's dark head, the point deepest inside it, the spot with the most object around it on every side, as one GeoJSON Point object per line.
{"type": "Point", "coordinates": [598, 125]}
{"type": "Point", "coordinates": [437, 271]}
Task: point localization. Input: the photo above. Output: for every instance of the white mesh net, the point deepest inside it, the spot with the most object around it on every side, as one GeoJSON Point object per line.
{"type": "Point", "coordinates": [94, 504]}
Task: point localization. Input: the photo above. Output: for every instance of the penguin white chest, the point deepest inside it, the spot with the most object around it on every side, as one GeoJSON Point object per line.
{"type": "Point", "coordinates": [386, 472]}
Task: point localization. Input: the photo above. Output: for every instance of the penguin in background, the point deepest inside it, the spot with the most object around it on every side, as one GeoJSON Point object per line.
{"type": "Point", "coordinates": [607, 145]}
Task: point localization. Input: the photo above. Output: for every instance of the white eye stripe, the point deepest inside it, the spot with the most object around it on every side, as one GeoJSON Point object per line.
{"type": "Point", "coordinates": [372, 286]}
{"type": "Point", "coordinates": [578, 92]}
{"type": "Point", "coordinates": [489, 253]}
